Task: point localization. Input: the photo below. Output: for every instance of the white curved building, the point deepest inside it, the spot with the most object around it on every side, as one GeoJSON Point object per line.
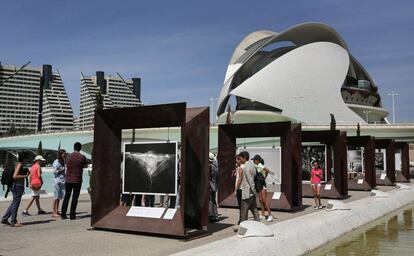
{"type": "Point", "coordinates": [305, 73]}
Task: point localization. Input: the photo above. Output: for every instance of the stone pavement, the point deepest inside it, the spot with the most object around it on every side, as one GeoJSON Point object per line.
{"type": "Point", "coordinates": [44, 235]}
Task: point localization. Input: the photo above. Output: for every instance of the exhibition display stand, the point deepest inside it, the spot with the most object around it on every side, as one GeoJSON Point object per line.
{"type": "Point", "coordinates": [366, 180]}
{"type": "Point", "coordinates": [336, 161]}
{"type": "Point", "coordinates": [191, 218]}
{"type": "Point", "coordinates": [387, 177]}
{"type": "Point", "coordinates": [290, 196]}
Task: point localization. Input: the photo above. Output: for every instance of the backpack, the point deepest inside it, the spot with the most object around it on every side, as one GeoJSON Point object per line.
{"type": "Point", "coordinates": [259, 181]}
{"type": "Point", "coordinates": [7, 179]}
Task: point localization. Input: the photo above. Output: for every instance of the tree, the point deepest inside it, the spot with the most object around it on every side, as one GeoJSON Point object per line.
{"type": "Point", "coordinates": [358, 130]}
{"type": "Point", "coordinates": [333, 123]}
{"type": "Point", "coordinates": [228, 117]}
{"type": "Point", "coordinates": [40, 149]}
{"type": "Point", "coordinates": [99, 101]}
{"type": "Point", "coordinates": [12, 130]}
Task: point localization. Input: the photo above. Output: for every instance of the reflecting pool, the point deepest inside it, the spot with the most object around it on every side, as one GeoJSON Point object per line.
{"type": "Point", "coordinates": [393, 235]}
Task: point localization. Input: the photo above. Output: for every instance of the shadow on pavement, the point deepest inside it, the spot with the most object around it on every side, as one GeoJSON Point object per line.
{"type": "Point", "coordinates": [216, 227]}
{"type": "Point", "coordinates": [84, 216]}
{"type": "Point", "coordinates": [37, 222]}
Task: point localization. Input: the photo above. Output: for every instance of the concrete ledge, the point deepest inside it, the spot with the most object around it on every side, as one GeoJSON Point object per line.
{"type": "Point", "coordinates": [304, 234]}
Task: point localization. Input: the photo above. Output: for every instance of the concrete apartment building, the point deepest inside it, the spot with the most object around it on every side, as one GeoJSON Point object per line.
{"type": "Point", "coordinates": [116, 92]}
{"type": "Point", "coordinates": [33, 98]}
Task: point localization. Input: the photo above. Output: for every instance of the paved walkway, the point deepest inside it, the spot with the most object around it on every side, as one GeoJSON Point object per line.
{"type": "Point", "coordinates": [44, 235]}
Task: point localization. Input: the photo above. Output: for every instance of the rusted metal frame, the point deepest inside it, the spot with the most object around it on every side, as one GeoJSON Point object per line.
{"type": "Point", "coordinates": [107, 159]}
{"type": "Point", "coordinates": [227, 151]}
{"type": "Point", "coordinates": [368, 143]}
{"type": "Point", "coordinates": [336, 140]}
{"type": "Point", "coordinates": [197, 169]}
{"type": "Point", "coordinates": [389, 146]}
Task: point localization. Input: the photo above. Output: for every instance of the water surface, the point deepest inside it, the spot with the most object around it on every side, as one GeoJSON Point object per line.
{"type": "Point", "coordinates": [393, 235]}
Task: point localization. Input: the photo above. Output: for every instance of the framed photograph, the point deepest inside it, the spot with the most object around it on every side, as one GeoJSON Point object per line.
{"type": "Point", "coordinates": [355, 160]}
{"type": "Point", "coordinates": [310, 153]}
{"type": "Point", "coordinates": [272, 157]}
{"type": "Point", "coordinates": [380, 160]}
{"type": "Point", "coordinates": [150, 168]}
{"type": "Point", "coordinates": [398, 160]}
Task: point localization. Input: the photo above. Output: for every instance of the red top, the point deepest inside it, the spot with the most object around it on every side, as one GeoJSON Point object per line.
{"type": "Point", "coordinates": [34, 175]}
{"type": "Point", "coordinates": [315, 179]}
{"type": "Point", "coordinates": [75, 163]}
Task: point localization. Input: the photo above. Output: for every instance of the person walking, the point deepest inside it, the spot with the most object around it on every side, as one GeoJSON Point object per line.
{"type": "Point", "coordinates": [213, 187]}
{"type": "Point", "coordinates": [19, 175]}
{"type": "Point", "coordinates": [246, 183]}
{"type": "Point", "coordinates": [316, 178]}
{"type": "Point", "coordinates": [36, 183]}
{"type": "Point", "coordinates": [262, 190]}
{"type": "Point", "coordinates": [59, 181]}
{"type": "Point", "coordinates": [75, 162]}
{"type": "Point", "coordinates": [236, 173]}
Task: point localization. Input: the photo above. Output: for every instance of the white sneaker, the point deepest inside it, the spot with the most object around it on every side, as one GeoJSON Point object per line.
{"type": "Point", "coordinates": [270, 218]}
{"type": "Point", "coordinates": [320, 206]}
{"type": "Point", "coordinates": [261, 217]}
{"type": "Point", "coordinates": [25, 213]}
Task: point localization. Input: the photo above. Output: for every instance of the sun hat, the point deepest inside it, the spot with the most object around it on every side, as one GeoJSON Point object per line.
{"type": "Point", "coordinates": [39, 157]}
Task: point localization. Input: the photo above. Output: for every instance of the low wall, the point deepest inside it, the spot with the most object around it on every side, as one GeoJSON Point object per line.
{"type": "Point", "coordinates": [304, 234]}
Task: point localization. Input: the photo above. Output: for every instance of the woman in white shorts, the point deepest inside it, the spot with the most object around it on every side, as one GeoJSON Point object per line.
{"type": "Point", "coordinates": [316, 178]}
{"type": "Point", "coordinates": [59, 181]}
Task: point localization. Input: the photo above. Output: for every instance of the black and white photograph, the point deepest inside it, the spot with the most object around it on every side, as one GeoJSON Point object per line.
{"type": "Point", "coordinates": [355, 160]}
{"type": "Point", "coordinates": [398, 160]}
{"type": "Point", "coordinates": [150, 168]}
{"type": "Point", "coordinates": [380, 160]}
{"type": "Point", "coordinates": [272, 160]}
{"type": "Point", "coordinates": [310, 153]}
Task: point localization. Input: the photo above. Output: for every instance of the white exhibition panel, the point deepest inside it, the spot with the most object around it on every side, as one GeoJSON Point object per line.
{"type": "Point", "coordinates": [146, 212]}
{"type": "Point", "coordinates": [272, 157]}
{"type": "Point", "coordinates": [151, 212]}
{"type": "Point", "coordinates": [311, 76]}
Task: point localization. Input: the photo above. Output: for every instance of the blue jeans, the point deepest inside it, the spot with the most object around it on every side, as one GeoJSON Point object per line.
{"type": "Point", "coordinates": [14, 206]}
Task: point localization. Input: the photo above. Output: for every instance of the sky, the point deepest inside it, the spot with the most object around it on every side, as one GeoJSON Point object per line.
{"type": "Point", "coordinates": [181, 49]}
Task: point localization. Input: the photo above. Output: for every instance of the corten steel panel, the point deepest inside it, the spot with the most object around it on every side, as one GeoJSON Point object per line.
{"type": "Point", "coordinates": [106, 214]}
{"type": "Point", "coordinates": [405, 161]}
{"type": "Point", "coordinates": [228, 133]}
{"type": "Point", "coordinates": [106, 158]}
{"type": "Point", "coordinates": [368, 143]}
{"type": "Point", "coordinates": [296, 160]}
{"type": "Point", "coordinates": [197, 168]}
{"type": "Point", "coordinates": [167, 115]}
{"type": "Point", "coordinates": [389, 146]}
{"type": "Point", "coordinates": [117, 220]}
{"type": "Point", "coordinates": [336, 145]}
{"type": "Point", "coordinates": [226, 158]}
{"type": "Point", "coordinates": [341, 154]}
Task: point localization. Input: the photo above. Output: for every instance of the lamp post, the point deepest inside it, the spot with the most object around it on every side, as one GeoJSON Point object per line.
{"type": "Point", "coordinates": [393, 94]}
{"type": "Point", "coordinates": [298, 98]}
{"type": "Point", "coordinates": [366, 112]}
{"type": "Point", "coordinates": [212, 99]}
